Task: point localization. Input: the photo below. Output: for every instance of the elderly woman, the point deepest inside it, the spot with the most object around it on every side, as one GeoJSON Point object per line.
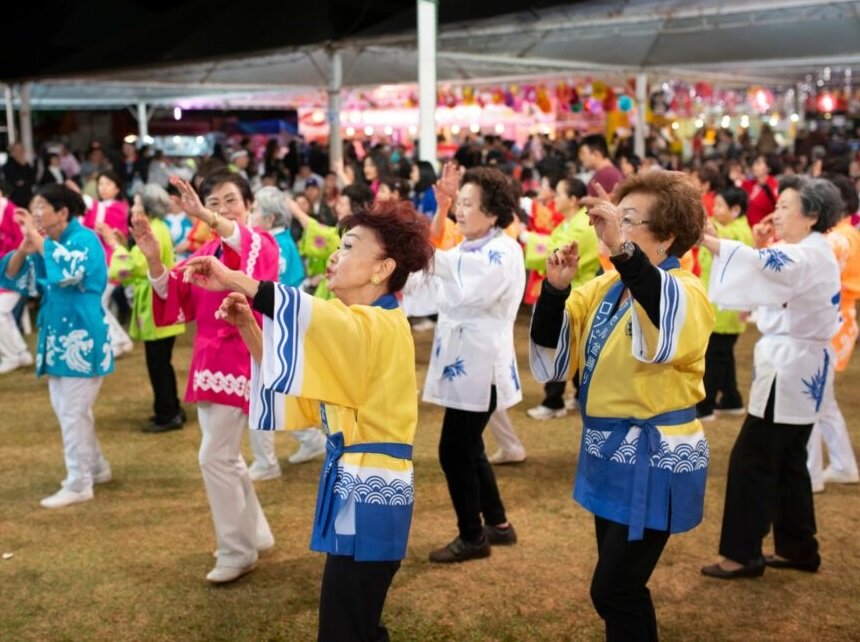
{"type": "Point", "coordinates": [272, 215]}
{"type": "Point", "coordinates": [637, 337]}
{"type": "Point", "coordinates": [66, 263]}
{"type": "Point", "coordinates": [478, 285]}
{"type": "Point", "coordinates": [356, 355]}
{"type": "Point", "coordinates": [129, 268]}
{"type": "Point", "coordinates": [219, 379]}
{"type": "Point", "coordinates": [794, 289]}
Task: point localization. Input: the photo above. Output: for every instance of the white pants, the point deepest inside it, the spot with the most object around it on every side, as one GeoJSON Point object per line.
{"type": "Point", "coordinates": [831, 428]}
{"type": "Point", "coordinates": [263, 447]}
{"type": "Point", "coordinates": [119, 339]}
{"type": "Point", "coordinates": [240, 526]}
{"type": "Point", "coordinates": [503, 431]}
{"type": "Point", "coordinates": [73, 399]}
{"type": "Point", "coordinates": [11, 342]}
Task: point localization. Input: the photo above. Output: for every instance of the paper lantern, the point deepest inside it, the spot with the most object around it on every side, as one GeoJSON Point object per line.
{"type": "Point", "coordinates": [625, 103]}
{"type": "Point", "coordinates": [598, 89]}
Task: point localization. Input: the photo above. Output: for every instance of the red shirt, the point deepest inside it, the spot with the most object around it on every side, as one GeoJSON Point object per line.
{"type": "Point", "coordinates": [761, 201]}
{"type": "Point", "coordinates": [608, 177]}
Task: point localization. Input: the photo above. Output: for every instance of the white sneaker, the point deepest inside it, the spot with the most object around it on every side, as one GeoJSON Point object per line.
{"type": "Point", "coordinates": [103, 476]}
{"type": "Point", "coordinates": [542, 413]}
{"type": "Point", "coordinates": [500, 458]}
{"type": "Point", "coordinates": [307, 452]}
{"type": "Point", "coordinates": [18, 361]}
{"type": "Point", "coordinates": [224, 574]}
{"type": "Point", "coordinates": [122, 349]}
{"type": "Point", "coordinates": [425, 325]}
{"type": "Point", "coordinates": [66, 497]}
{"type": "Point", "coordinates": [264, 473]}
{"type": "Point", "coordinates": [831, 477]}
{"type": "Point", "coordinates": [571, 403]}
{"type": "Point", "coordinates": [817, 488]}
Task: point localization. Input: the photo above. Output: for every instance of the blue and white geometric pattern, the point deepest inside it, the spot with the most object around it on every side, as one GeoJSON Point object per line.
{"type": "Point", "coordinates": [684, 457]}
{"type": "Point", "coordinates": [373, 489]}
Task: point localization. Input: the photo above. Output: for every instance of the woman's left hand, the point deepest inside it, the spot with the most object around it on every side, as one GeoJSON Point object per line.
{"type": "Point", "coordinates": [605, 218]}
{"type": "Point", "coordinates": [235, 310]}
{"type": "Point", "coordinates": [190, 200]}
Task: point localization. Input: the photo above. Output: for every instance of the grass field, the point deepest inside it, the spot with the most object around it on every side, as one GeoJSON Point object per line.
{"type": "Point", "coordinates": [130, 565]}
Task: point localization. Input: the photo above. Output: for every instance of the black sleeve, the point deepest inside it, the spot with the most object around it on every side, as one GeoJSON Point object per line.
{"type": "Point", "coordinates": [264, 301]}
{"type": "Point", "coordinates": [549, 315]}
{"type": "Point", "coordinates": [643, 280]}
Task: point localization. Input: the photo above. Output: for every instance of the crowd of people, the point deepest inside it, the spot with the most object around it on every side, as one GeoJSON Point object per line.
{"type": "Point", "coordinates": [305, 287]}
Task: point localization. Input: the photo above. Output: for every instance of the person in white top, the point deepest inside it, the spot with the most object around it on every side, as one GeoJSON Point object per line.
{"type": "Point", "coordinates": [794, 289]}
{"type": "Point", "coordinates": [478, 285]}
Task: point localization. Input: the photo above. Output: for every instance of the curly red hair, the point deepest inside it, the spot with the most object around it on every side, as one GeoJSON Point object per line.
{"type": "Point", "coordinates": [403, 233]}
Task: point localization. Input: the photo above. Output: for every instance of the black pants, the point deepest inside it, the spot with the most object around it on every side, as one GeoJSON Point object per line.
{"type": "Point", "coordinates": [470, 477]}
{"type": "Point", "coordinates": [351, 599]}
{"type": "Point", "coordinates": [618, 586]}
{"type": "Point", "coordinates": [162, 378]}
{"type": "Point", "coordinates": [720, 375]}
{"type": "Point", "coordinates": [554, 393]}
{"type": "Point", "coordinates": [769, 484]}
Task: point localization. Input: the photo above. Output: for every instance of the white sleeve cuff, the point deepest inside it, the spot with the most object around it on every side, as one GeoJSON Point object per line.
{"type": "Point", "coordinates": [159, 285]}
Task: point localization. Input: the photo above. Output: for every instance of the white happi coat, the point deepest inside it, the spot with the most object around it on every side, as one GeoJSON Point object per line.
{"type": "Point", "coordinates": [794, 289]}
{"type": "Point", "coordinates": [478, 287]}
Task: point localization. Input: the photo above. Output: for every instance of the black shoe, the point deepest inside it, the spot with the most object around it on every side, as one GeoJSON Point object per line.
{"type": "Point", "coordinates": [809, 566]}
{"type": "Point", "coordinates": [174, 424]}
{"type": "Point", "coordinates": [154, 420]}
{"type": "Point", "coordinates": [753, 569]}
{"type": "Point", "coordinates": [500, 536]}
{"type": "Point", "coordinates": [460, 551]}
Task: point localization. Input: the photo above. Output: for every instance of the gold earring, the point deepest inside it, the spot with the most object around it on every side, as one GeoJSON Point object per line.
{"type": "Point", "coordinates": [374, 279]}
{"type": "Point", "coordinates": [661, 250]}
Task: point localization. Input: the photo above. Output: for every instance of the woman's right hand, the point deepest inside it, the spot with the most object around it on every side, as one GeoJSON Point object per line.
{"type": "Point", "coordinates": [235, 310]}
{"type": "Point", "coordinates": [561, 266]}
{"type": "Point", "coordinates": [145, 239]}
{"type": "Point", "coordinates": [764, 232]}
{"type": "Point", "coordinates": [445, 189]}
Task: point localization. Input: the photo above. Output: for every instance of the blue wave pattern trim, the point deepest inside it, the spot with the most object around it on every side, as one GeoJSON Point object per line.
{"type": "Point", "coordinates": [373, 490]}
{"type": "Point", "coordinates": [685, 458]}
{"type": "Point", "coordinates": [815, 385]}
{"type": "Point", "coordinates": [774, 259]}
{"type": "Point", "coordinates": [454, 370]}
{"type": "Point", "coordinates": [671, 298]}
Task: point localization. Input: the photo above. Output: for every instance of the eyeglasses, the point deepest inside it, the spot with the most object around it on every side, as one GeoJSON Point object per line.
{"type": "Point", "coordinates": [627, 221]}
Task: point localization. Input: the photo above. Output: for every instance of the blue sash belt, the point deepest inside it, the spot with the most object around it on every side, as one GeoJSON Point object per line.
{"type": "Point", "coordinates": [334, 449]}
{"type": "Point", "coordinates": [647, 445]}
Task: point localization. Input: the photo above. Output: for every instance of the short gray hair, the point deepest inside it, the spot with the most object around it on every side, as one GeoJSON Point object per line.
{"type": "Point", "coordinates": [819, 199]}
{"type": "Point", "coordinates": [270, 200]}
{"type": "Point", "coordinates": [155, 201]}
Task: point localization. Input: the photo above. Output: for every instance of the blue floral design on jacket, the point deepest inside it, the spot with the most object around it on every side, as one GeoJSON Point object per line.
{"type": "Point", "coordinates": [774, 259]}
{"type": "Point", "coordinates": [495, 257]}
{"type": "Point", "coordinates": [454, 370]}
{"type": "Point", "coordinates": [815, 384]}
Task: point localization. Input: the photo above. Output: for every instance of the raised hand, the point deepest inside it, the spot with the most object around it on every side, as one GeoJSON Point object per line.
{"type": "Point", "coordinates": [764, 233]}
{"type": "Point", "coordinates": [190, 199]}
{"type": "Point", "coordinates": [72, 185]}
{"type": "Point", "coordinates": [145, 239]}
{"type": "Point", "coordinates": [209, 273]}
{"type": "Point", "coordinates": [33, 240]}
{"type": "Point", "coordinates": [445, 189]}
{"type": "Point", "coordinates": [235, 310]}
{"type": "Point", "coordinates": [561, 266]}
{"type": "Point", "coordinates": [606, 220]}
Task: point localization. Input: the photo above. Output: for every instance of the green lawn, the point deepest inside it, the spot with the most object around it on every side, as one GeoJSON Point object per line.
{"type": "Point", "coordinates": [130, 565]}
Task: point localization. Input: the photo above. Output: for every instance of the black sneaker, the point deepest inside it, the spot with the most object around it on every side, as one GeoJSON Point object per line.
{"type": "Point", "coordinates": [460, 551]}
{"type": "Point", "coordinates": [174, 424]}
{"type": "Point", "coordinates": [500, 536]}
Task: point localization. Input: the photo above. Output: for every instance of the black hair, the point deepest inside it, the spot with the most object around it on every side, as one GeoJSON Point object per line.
{"type": "Point", "coordinates": [359, 195]}
{"type": "Point", "coordinates": [60, 196]}
{"type": "Point", "coordinates": [596, 143]}
{"type": "Point", "coordinates": [113, 177]}
{"type": "Point", "coordinates": [735, 196]}
{"type": "Point", "coordinates": [850, 198]}
{"type": "Point", "coordinates": [221, 177]}
{"type": "Point", "coordinates": [575, 188]}
{"type": "Point", "coordinates": [426, 176]}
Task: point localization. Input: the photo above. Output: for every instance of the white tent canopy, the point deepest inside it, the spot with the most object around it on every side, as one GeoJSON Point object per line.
{"type": "Point", "coordinates": [774, 42]}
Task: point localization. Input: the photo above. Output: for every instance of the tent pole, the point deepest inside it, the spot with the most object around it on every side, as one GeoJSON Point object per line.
{"type": "Point", "coordinates": [142, 122]}
{"type": "Point", "coordinates": [335, 83]}
{"type": "Point", "coordinates": [26, 117]}
{"type": "Point", "coordinates": [641, 111]}
{"type": "Point", "coordinates": [427, 26]}
{"type": "Point", "coordinates": [10, 115]}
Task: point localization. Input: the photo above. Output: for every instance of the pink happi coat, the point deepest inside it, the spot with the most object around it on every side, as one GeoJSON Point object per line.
{"type": "Point", "coordinates": [10, 232]}
{"type": "Point", "coordinates": [114, 213]}
{"type": "Point", "coordinates": [220, 364]}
